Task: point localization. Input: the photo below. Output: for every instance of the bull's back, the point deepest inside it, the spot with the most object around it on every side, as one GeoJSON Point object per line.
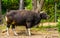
{"type": "Point", "coordinates": [20, 17]}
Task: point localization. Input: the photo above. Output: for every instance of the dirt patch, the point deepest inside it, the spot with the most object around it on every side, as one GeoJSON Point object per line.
{"type": "Point", "coordinates": [48, 23]}
{"type": "Point", "coordinates": [35, 34]}
{"type": "Point", "coordinates": [48, 33]}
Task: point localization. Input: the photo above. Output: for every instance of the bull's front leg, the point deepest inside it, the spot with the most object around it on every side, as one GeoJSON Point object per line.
{"type": "Point", "coordinates": [29, 32]}
{"type": "Point", "coordinates": [13, 28]}
{"type": "Point", "coordinates": [28, 28]}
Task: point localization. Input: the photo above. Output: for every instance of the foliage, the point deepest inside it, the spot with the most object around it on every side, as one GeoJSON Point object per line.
{"type": "Point", "coordinates": [14, 4]}
{"type": "Point", "coordinates": [28, 4]}
{"type": "Point", "coordinates": [58, 24]}
{"type": "Point", "coordinates": [58, 5]}
{"type": "Point", "coordinates": [48, 6]}
{"type": "Point", "coordinates": [49, 1]}
{"type": "Point", "coordinates": [10, 4]}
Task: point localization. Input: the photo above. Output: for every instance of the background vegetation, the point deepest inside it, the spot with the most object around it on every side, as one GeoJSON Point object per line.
{"type": "Point", "coordinates": [48, 7]}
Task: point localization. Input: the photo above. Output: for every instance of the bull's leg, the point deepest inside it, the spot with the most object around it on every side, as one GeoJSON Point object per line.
{"type": "Point", "coordinates": [13, 28]}
{"type": "Point", "coordinates": [8, 26]}
{"type": "Point", "coordinates": [28, 31]}
{"type": "Point", "coordinates": [28, 28]}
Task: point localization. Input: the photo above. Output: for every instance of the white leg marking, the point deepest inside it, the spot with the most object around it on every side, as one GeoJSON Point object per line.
{"type": "Point", "coordinates": [8, 31]}
{"type": "Point", "coordinates": [29, 32]}
{"type": "Point", "coordinates": [14, 32]}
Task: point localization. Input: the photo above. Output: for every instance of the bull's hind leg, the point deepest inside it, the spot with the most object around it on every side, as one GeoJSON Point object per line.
{"type": "Point", "coordinates": [13, 28]}
{"type": "Point", "coordinates": [8, 26]}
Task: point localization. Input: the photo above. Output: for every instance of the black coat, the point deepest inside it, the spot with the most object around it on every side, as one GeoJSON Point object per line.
{"type": "Point", "coordinates": [24, 17]}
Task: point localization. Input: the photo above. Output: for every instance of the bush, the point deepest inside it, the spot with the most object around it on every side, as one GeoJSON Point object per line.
{"type": "Point", "coordinates": [28, 4]}
{"type": "Point", "coordinates": [10, 4]}
{"type": "Point", "coordinates": [58, 24]}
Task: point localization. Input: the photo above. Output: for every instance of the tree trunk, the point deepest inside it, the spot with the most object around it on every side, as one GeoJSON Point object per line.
{"type": "Point", "coordinates": [0, 13]}
{"type": "Point", "coordinates": [21, 5]}
{"type": "Point", "coordinates": [39, 5]}
{"type": "Point", "coordinates": [0, 7]}
{"type": "Point", "coordinates": [34, 3]}
{"type": "Point", "coordinates": [55, 11]}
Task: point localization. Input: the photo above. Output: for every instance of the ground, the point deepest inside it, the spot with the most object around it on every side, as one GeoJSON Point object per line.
{"type": "Point", "coordinates": [41, 33]}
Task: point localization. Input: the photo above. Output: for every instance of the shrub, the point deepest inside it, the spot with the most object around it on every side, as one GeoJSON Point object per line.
{"type": "Point", "coordinates": [58, 25]}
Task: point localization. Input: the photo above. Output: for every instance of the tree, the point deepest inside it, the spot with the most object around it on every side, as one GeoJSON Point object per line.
{"type": "Point", "coordinates": [0, 7]}
{"type": "Point", "coordinates": [34, 3]}
{"type": "Point", "coordinates": [21, 4]}
{"type": "Point", "coordinates": [37, 5]}
{"type": "Point", "coordinates": [0, 13]}
{"type": "Point", "coordinates": [41, 2]}
{"type": "Point", "coordinates": [55, 1]}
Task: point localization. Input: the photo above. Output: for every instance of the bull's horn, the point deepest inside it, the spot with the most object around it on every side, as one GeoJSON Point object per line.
{"type": "Point", "coordinates": [42, 12]}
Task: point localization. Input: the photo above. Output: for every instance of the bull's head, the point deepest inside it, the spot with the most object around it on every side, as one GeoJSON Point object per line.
{"type": "Point", "coordinates": [44, 15]}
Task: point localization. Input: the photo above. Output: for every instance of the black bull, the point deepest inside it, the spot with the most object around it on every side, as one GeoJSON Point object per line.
{"type": "Point", "coordinates": [23, 17]}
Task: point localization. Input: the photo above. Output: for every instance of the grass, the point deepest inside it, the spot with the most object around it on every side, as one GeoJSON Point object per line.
{"type": "Point", "coordinates": [44, 27]}
{"type": "Point", "coordinates": [2, 27]}
{"type": "Point", "coordinates": [34, 28]}
{"type": "Point", "coordinates": [47, 26]}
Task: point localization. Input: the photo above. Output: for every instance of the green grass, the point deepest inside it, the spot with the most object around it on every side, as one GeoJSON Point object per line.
{"type": "Point", "coordinates": [48, 26]}
{"type": "Point", "coordinates": [2, 27]}
{"type": "Point", "coordinates": [43, 27]}
{"type": "Point", "coordinates": [34, 28]}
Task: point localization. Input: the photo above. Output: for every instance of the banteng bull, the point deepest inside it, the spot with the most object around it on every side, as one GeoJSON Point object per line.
{"type": "Point", "coordinates": [23, 17]}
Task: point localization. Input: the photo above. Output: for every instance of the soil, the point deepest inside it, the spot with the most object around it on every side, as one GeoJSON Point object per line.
{"type": "Point", "coordinates": [35, 34]}
{"type": "Point", "coordinates": [48, 33]}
